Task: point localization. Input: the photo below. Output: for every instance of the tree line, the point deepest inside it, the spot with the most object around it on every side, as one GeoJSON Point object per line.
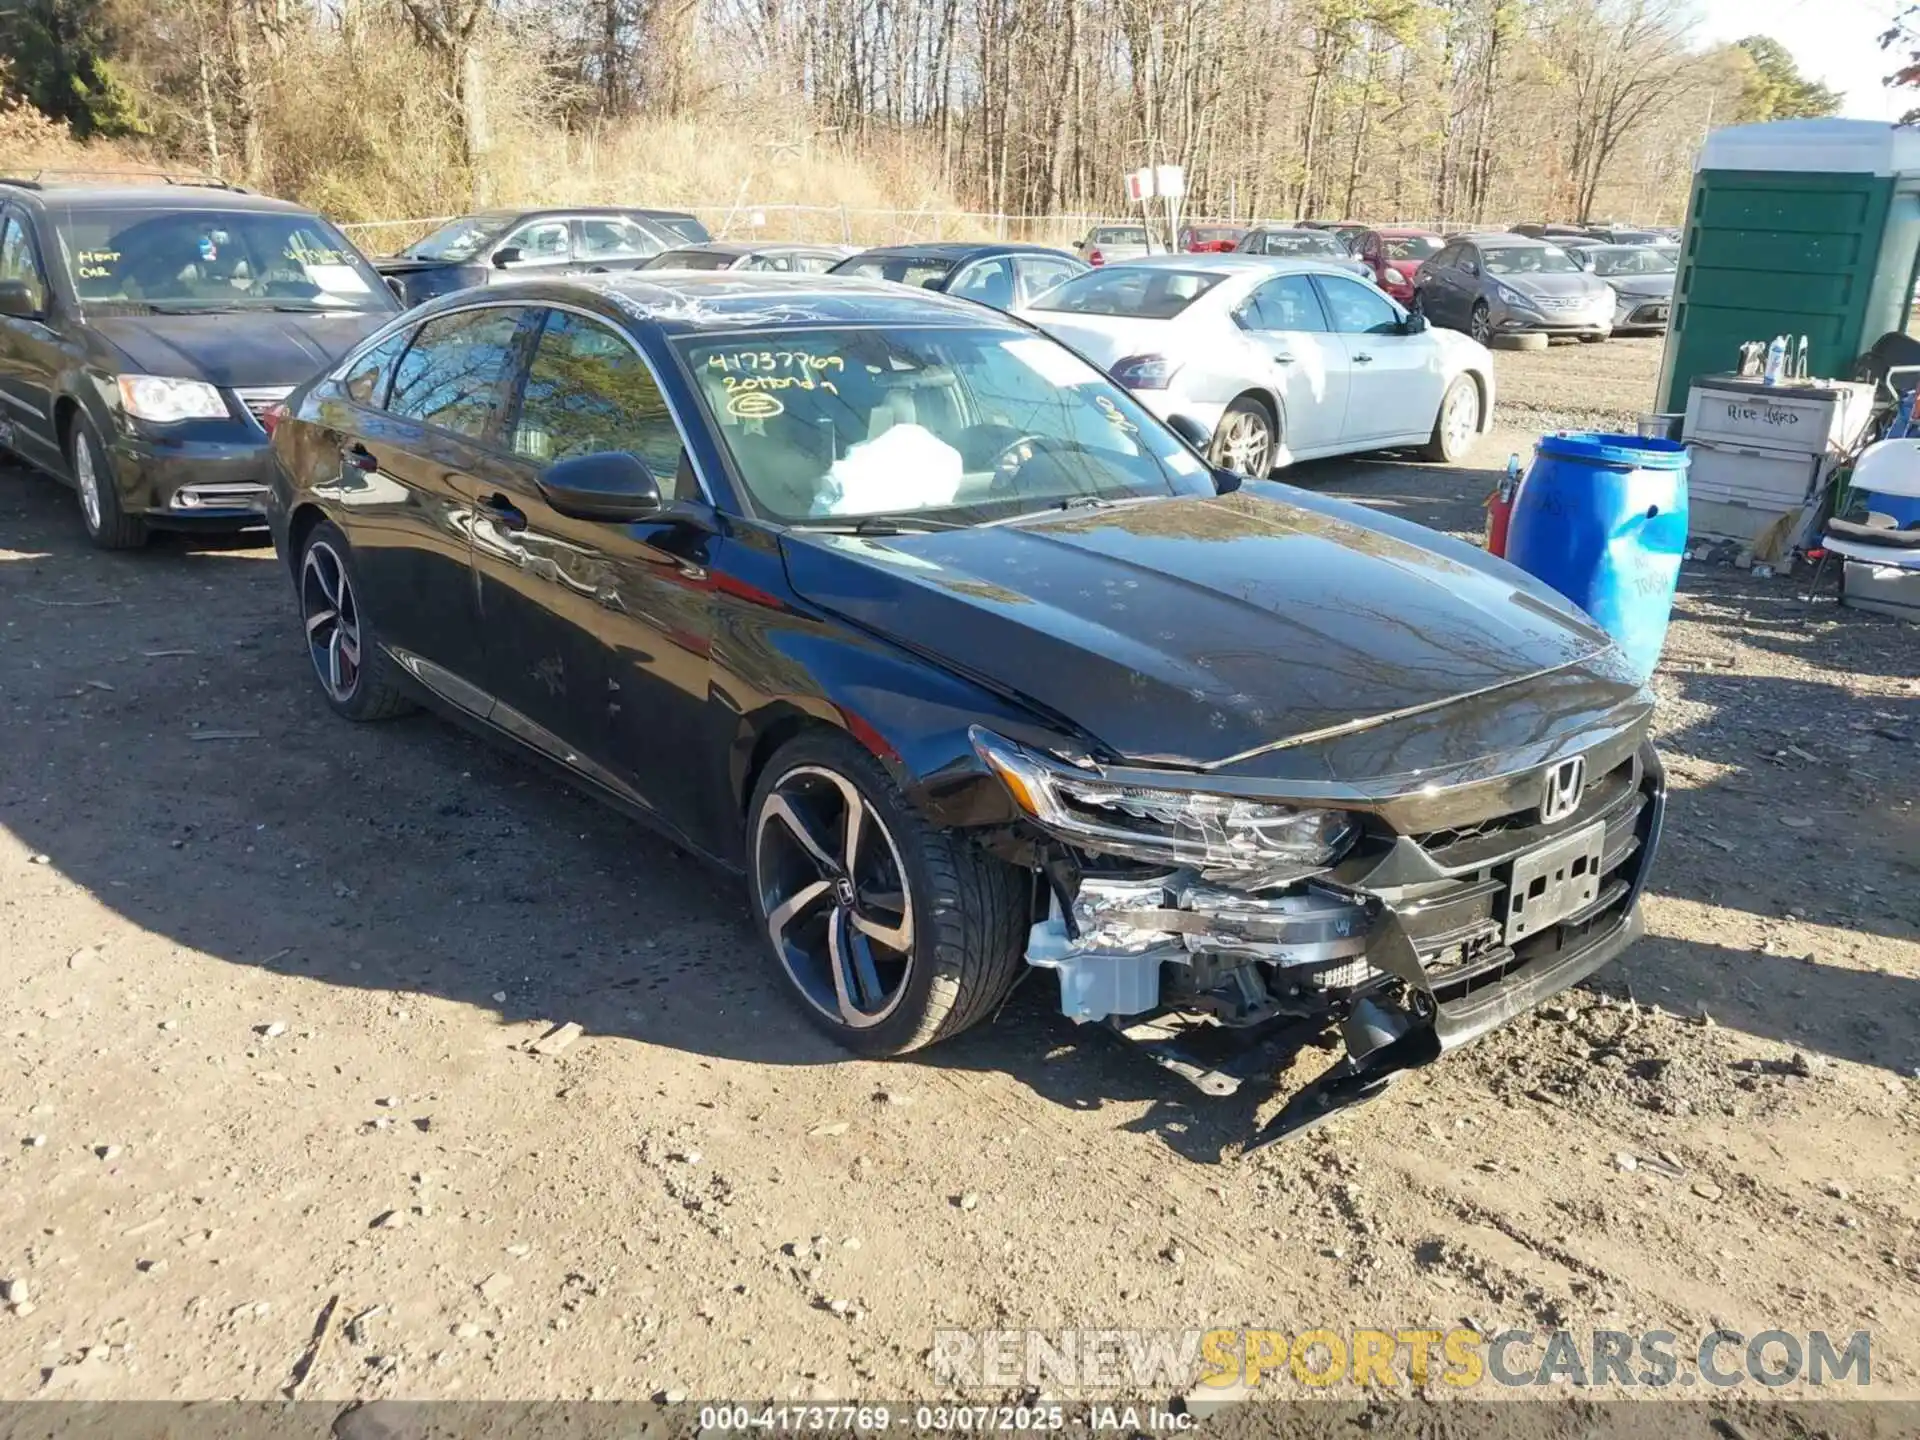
{"type": "Point", "coordinates": [1467, 111]}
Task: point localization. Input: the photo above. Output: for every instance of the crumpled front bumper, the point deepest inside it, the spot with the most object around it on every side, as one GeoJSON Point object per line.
{"type": "Point", "coordinates": [1426, 951]}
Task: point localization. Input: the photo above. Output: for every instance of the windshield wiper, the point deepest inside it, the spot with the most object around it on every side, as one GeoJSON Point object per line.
{"type": "Point", "coordinates": [883, 524]}
{"type": "Point", "coordinates": [898, 525]}
{"type": "Point", "coordinates": [189, 307]}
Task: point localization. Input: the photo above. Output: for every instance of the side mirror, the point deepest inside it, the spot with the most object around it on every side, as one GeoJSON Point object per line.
{"type": "Point", "coordinates": [511, 255]}
{"type": "Point", "coordinates": [17, 302]}
{"type": "Point", "coordinates": [1470, 268]}
{"type": "Point", "coordinates": [399, 290]}
{"type": "Point", "coordinates": [1414, 324]}
{"type": "Point", "coordinates": [611, 485]}
{"type": "Point", "coordinates": [1190, 430]}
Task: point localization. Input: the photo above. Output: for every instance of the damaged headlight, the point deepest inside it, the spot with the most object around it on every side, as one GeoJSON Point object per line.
{"type": "Point", "coordinates": [1252, 844]}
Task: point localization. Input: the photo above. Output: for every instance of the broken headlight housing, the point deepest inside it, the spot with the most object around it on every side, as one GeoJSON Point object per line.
{"type": "Point", "coordinates": [1250, 844]}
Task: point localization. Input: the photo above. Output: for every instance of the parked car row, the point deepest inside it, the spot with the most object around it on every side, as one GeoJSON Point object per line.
{"type": "Point", "coordinates": [1505, 283]}
{"type": "Point", "coordinates": [973, 651]}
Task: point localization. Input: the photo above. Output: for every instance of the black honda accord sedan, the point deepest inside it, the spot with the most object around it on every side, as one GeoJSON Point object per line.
{"type": "Point", "coordinates": [971, 665]}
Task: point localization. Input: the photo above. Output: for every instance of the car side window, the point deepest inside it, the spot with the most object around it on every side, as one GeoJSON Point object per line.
{"type": "Point", "coordinates": [588, 391]}
{"type": "Point", "coordinates": [18, 261]}
{"type": "Point", "coordinates": [1039, 274]}
{"type": "Point", "coordinates": [1447, 259]}
{"type": "Point", "coordinates": [988, 281]}
{"type": "Point", "coordinates": [1358, 309]}
{"type": "Point", "coordinates": [1469, 260]}
{"type": "Point", "coordinates": [815, 264]}
{"type": "Point", "coordinates": [366, 377]}
{"type": "Point", "coordinates": [1285, 303]}
{"type": "Point", "coordinates": [455, 372]}
{"type": "Point", "coordinates": [604, 237]}
{"type": "Point", "coordinates": [542, 240]}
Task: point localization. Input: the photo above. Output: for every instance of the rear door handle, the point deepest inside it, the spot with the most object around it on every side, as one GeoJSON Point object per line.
{"type": "Point", "coordinates": [503, 510]}
{"type": "Point", "coordinates": [360, 458]}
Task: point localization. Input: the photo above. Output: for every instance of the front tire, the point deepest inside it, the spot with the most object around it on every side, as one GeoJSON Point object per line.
{"type": "Point", "coordinates": [1245, 440]}
{"type": "Point", "coordinates": [109, 526]}
{"type": "Point", "coordinates": [890, 933]}
{"type": "Point", "coordinates": [352, 669]}
{"type": "Point", "coordinates": [1456, 424]}
{"type": "Point", "coordinates": [1480, 323]}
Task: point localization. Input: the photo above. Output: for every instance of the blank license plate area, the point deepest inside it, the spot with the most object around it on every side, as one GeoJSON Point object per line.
{"type": "Point", "coordinates": [1555, 882]}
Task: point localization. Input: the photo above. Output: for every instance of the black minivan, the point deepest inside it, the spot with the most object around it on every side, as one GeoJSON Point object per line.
{"type": "Point", "coordinates": [148, 331]}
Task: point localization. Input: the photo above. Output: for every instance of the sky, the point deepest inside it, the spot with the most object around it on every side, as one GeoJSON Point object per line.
{"type": "Point", "coordinates": [1834, 41]}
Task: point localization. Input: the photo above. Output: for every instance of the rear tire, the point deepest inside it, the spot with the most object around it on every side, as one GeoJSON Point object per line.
{"type": "Point", "coordinates": [108, 526]}
{"type": "Point", "coordinates": [354, 672]}
{"type": "Point", "coordinates": [911, 939]}
{"type": "Point", "coordinates": [1456, 424]}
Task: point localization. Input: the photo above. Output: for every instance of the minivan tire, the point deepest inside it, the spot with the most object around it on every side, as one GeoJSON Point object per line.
{"type": "Point", "coordinates": [108, 525]}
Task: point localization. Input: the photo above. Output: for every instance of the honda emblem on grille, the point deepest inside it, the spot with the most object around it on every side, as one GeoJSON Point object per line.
{"type": "Point", "coordinates": [1565, 783]}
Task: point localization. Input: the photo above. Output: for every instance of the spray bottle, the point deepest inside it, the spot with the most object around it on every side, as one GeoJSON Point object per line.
{"type": "Point", "coordinates": [1776, 360]}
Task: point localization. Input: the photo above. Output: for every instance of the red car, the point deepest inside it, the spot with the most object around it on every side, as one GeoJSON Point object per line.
{"type": "Point", "coordinates": [1211, 239]}
{"type": "Point", "coordinates": [1395, 257]}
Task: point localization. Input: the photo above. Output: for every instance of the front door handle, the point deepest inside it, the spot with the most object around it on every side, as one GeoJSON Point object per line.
{"type": "Point", "coordinates": [1363, 359]}
{"type": "Point", "coordinates": [1283, 359]}
{"type": "Point", "coordinates": [360, 458]}
{"type": "Point", "coordinates": [505, 513]}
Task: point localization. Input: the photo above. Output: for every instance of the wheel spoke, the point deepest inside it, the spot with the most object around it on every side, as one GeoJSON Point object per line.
{"type": "Point", "coordinates": [781, 809]}
{"type": "Point", "coordinates": [791, 908]}
{"type": "Point", "coordinates": [856, 984]}
{"type": "Point", "coordinates": [319, 618]}
{"type": "Point", "coordinates": [349, 646]}
{"type": "Point", "coordinates": [897, 936]}
{"type": "Point", "coordinates": [850, 845]}
{"type": "Point", "coordinates": [329, 584]}
{"type": "Point", "coordinates": [333, 660]}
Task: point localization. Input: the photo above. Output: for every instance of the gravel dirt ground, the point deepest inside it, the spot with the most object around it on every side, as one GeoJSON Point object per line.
{"type": "Point", "coordinates": [275, 1117]}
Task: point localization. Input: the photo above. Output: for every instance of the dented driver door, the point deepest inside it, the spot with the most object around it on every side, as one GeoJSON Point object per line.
{"type": "Point", "coordinates": [596, 633]}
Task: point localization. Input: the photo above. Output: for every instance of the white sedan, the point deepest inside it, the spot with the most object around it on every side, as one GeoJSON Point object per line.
{"type": "Point", "coordinates": [1277, 360]}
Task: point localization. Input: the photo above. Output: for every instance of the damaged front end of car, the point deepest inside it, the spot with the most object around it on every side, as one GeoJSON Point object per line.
{"type": "Point", "coordinates": [1210, 923]}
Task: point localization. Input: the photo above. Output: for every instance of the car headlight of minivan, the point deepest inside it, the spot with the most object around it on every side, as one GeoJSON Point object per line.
{"type": "Point", "coordinates": [1253, 843]}
{"type": "Point", "coordinates": [163, 400]}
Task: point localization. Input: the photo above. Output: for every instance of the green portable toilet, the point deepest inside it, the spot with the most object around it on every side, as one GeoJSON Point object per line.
{"type": "Point", "coordinates": [1798, 227]}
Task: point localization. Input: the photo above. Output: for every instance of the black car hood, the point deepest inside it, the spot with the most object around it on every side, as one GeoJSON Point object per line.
{"type": "Point", "coordinates": [237, 347]}
{"type": "Point", "coordinates": [1190, 632]}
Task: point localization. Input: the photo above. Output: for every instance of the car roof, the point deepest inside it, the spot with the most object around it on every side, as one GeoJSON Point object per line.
{"type": "Point", "coordinates": [959, 249]}
{"type": "Point", "coordinates": [1504, 237]}
{"type": "Point", "coordinates": [1232, 263]}
{"type": "Point", "coordinates": [534, 212]}
{"type": "Point", "coordinates": [1318, 231]}
{"type": "Point", "coordinates": [717, 301]}
{"type": "Point", "coordinates": [1406, 232]}
{"type": "Point", "coordinates": [149, 197]}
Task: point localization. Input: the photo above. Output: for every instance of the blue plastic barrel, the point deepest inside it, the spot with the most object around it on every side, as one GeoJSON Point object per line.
{"type": "Point", "coordinates": [1603, 520]}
